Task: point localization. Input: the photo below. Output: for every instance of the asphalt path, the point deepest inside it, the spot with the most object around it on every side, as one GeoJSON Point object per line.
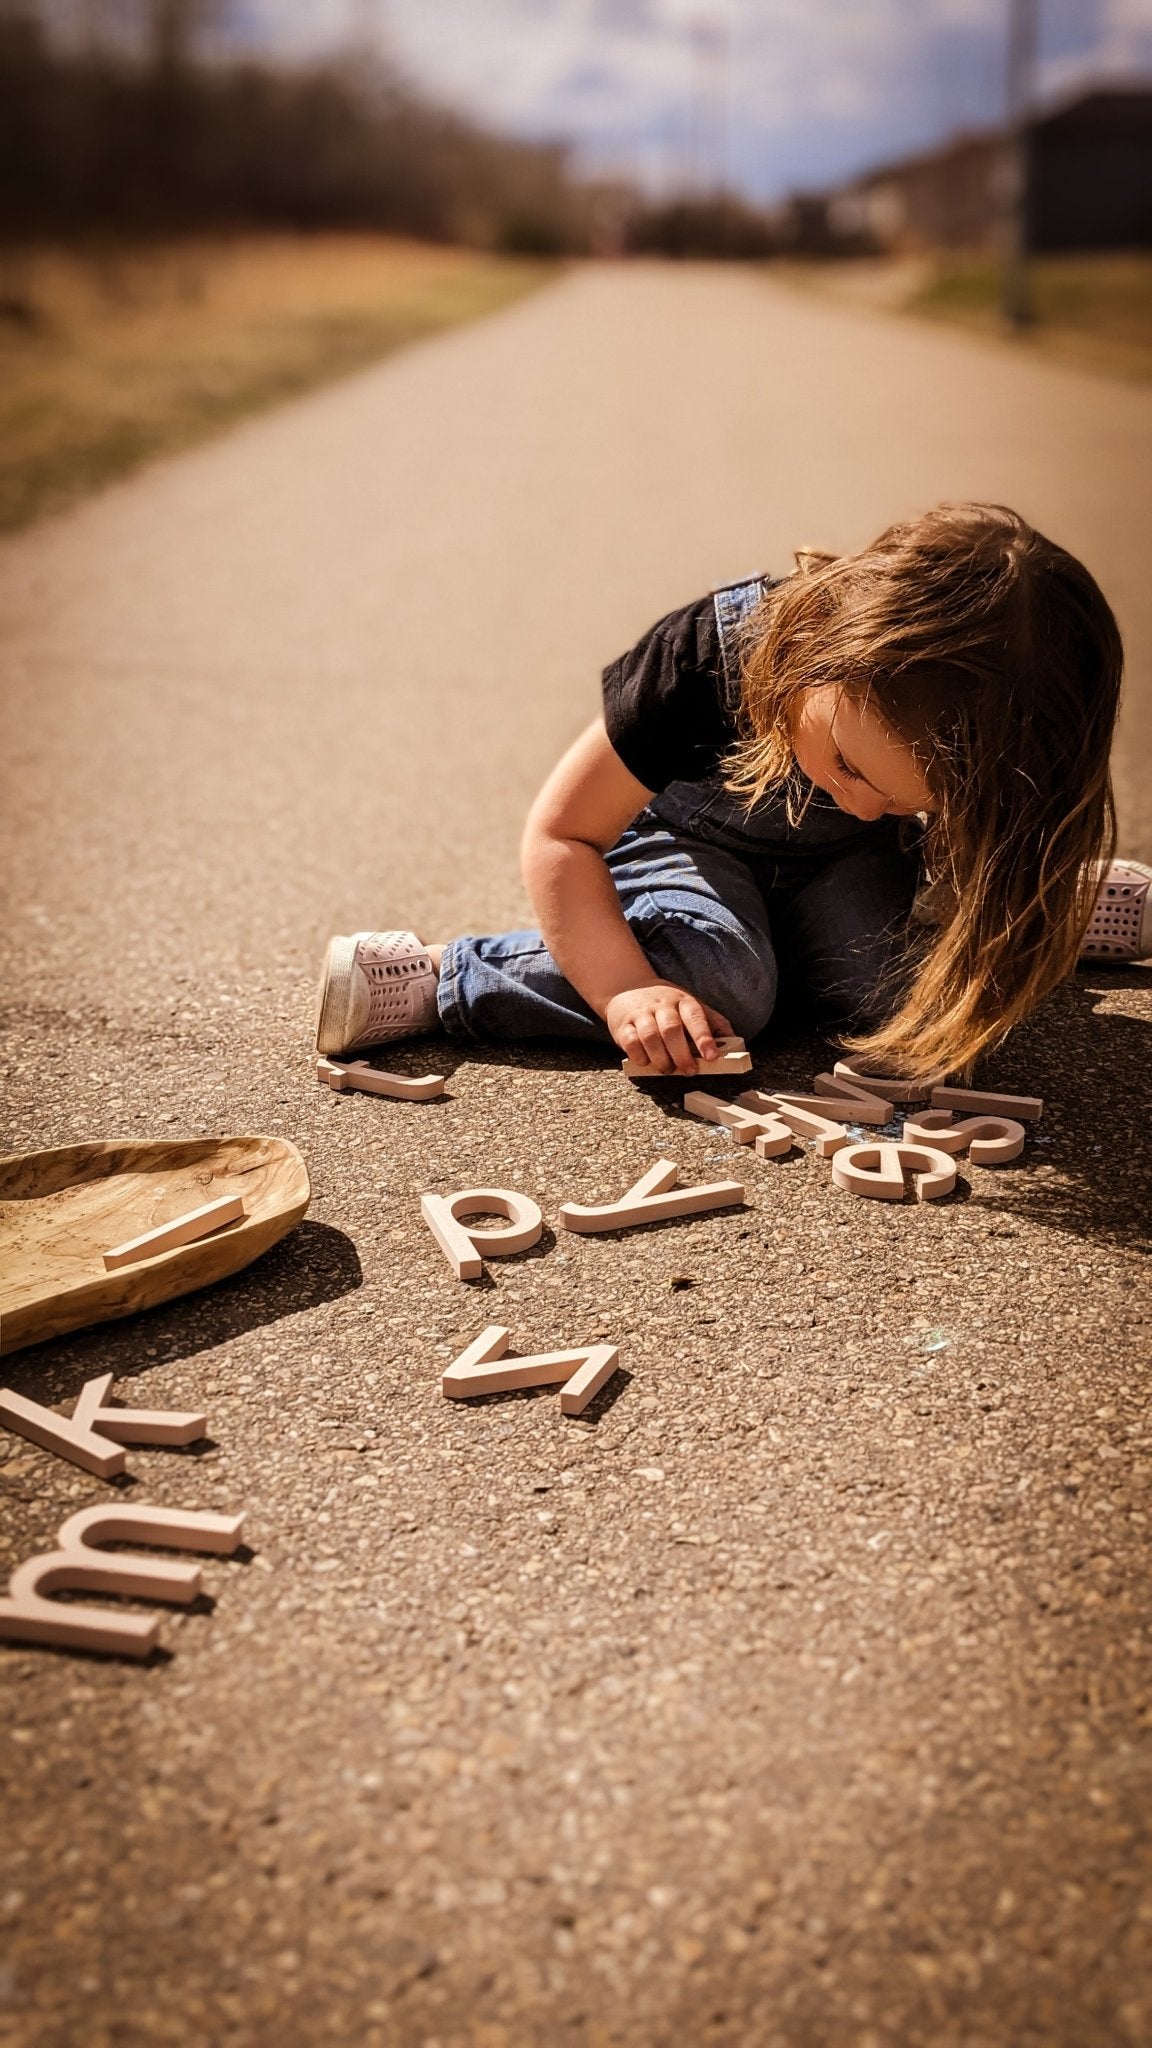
{"type": "Point", "coordinates": [799, 1693]}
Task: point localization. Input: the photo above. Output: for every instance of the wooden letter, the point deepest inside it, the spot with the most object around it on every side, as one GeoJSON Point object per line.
{"type": "Point", "coordinates": [479, 1370]}
{"type": "Point", "coordinates": [28, 1615]}
{"type": "Point", "coordinates": [654, 1197]}
{"type": "Point", "coordinates": [167, 1528]}
{"type": "Point", "coordinates": [369, 1080]}
{"type": "Point", "coordinates": [70, 1438]}
{"type": "Point", "coordinates": [135, 1425]}
{"type": "Point", "coordinates": [892, 1090]}
{"type": "Point", "coordinates": [87, 1438]}
{"type": "Point", "coordinates": [732, 1059]}
{"type": "Point", "coordinates": [988, 1140]}
{"type": "Point", "coordinates": [981, 1103]}
{"type": "Point", "coordinates": [187, 1229]}
{"type": "Point", "coordinates": [761, 1128]}
{"type": "Point", "coordinates": [879, 1170]}
{"type": "Point", "coordinates": [714, 1110]}
{"type": "Point", "coordinates": [775, 1139]}
{"type": "Point", "coordinates": [828, 1137]}
{"type": "Point", "coordinates": [840, 1099]}
{"type": "Point", "coordinates": [600, 1362]}
{"type": "Point", "coordinates": [463, 1248]}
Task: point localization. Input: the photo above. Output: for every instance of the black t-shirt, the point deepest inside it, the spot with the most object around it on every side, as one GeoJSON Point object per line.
{"type": "Point", "coordinates": [669, 707]}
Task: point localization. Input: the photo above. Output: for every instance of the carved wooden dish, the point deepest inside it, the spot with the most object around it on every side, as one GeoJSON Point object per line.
{"type": "Point", "coordinates": [60, 1211]}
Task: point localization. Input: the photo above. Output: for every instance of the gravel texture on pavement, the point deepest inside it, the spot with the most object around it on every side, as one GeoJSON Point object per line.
{"type": "Point", "coordinates": [799, 1692]}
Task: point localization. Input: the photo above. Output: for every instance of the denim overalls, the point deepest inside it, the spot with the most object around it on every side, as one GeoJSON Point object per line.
{"type": "Point", "coordinates": [722, 902]}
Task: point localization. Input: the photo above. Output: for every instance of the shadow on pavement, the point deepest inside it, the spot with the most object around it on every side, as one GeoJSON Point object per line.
{"type": "Point", "coordinates": [1091, 1063]}
{"type": "Point", "coordinates": [313, 1264]}
{"type": "Point", "coordinates": [1084, 1170]}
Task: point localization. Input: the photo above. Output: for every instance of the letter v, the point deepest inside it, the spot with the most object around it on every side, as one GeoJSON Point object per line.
{"type": "Point", "coordinates": [479, 1370]}
{"type": "Point", "coordinates": [654, 1197]}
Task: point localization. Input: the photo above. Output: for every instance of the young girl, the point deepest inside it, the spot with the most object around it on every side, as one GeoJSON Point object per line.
{"type": "Point", "coordinates": [880, 783]}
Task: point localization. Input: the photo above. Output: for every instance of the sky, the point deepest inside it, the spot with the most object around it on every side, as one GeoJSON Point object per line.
{"type": "Point", "coordinates": [767, 96]}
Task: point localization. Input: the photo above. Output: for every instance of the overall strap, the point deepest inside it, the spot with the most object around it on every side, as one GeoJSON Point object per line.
{"type": "Point", "coordinates": [733, 603]}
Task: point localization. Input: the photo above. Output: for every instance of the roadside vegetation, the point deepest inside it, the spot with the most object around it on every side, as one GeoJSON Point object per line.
{"type": "Point", "coordinates": [189, 232]}
{"type": "Point", "coordinates": [1093, 310]}
{"type": "Point", "coordinates": [109, 361]}
{"type": "Point", "coordinates": [111, 358]}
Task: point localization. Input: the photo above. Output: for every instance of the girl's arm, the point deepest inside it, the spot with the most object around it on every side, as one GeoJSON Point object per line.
{"type": "Point", "coordinates": [586, 803]}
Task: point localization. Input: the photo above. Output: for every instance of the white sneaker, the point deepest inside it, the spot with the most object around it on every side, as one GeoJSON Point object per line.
{"type": "Point", "coordinates": [1121, 927]}
{"type": "Point", "coordinates": [375, 986]}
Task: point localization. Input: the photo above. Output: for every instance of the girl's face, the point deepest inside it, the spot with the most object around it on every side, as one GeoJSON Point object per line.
{"type": "Point", "coordinates": [847, 750]}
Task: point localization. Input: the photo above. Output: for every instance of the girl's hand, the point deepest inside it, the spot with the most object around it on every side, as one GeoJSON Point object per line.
{"type": "Point", "coordinates": [656, 1023]}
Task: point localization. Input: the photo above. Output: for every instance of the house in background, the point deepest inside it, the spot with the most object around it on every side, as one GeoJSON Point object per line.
{"type": "Point", "coordinates": [946, 198]}
{"type": "Point", "coordinates": [1087, 168]}
{"type": "Point", "coordinates": [1089, 173]}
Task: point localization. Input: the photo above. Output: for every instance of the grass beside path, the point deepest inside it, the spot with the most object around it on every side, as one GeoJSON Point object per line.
{"type": "Point", "coordinates": [1095, 310]}
{"type": "Point", "coordinates": [1091, 310]}
{"type": "Point", "coordinates": [107, 359]}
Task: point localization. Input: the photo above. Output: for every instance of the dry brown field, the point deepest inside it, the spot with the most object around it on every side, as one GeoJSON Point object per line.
{"type": "Point", "coordinates": [111, 355]}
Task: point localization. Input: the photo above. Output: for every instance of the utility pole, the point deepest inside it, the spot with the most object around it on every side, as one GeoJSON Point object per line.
{"type": "Point", "coordinates": [1016, 292]}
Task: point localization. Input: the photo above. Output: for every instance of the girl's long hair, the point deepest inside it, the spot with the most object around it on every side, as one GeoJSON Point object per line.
{"type": "Point", "coordinates": [993, 654]}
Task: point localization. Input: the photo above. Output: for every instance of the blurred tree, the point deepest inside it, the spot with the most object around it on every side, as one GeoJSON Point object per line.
{"type": "Point", "coordinates": [720, 226]}
{"type": "Point", "coordinates": [113, 120]}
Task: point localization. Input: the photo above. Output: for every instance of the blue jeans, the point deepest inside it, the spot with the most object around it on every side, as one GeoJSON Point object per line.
{"type": "Point", "coordinates": [830, 922]}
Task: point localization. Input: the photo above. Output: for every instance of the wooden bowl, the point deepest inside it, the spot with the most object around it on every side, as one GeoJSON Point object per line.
{"type": "Point", "coordinates": [60, 1211]}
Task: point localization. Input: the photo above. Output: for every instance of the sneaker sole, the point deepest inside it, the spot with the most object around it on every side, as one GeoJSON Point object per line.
{"type": "Point", "coordinates": [1106, 950]}
{"type": "Point", "coordinates": [334, 996]}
